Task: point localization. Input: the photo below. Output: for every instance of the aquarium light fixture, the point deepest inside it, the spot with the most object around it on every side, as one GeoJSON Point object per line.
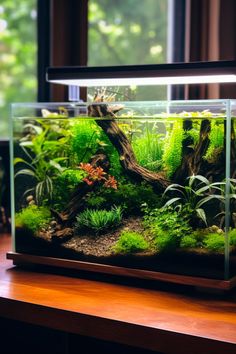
{"type": "Point", "coordinates": [158, 74]}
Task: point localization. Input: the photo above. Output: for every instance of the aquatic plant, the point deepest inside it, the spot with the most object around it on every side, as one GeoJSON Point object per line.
{"type": "Point", "coordinates": [129, 195]}
{"type": "Point", "coordinates": [72, 176]}
{"type": "Point", "coordinates": [85, 136]}
{"type": "Point", "coordinates": [148, 148]}
{"type": "Point", "coordinates": [193, 134]}
{"type": "Point", "coordinates": [96, 200]}
{"type": "Point", "coordinates": [33, 217]}
{"type": "Point", "coordinates": [64, 186]}
{"type": "Point", "coordinates": [95, 174]}
{"type": "Point", "coordinates": [167, 227]}
{"type": "Point", "coordinates": [166, 242]}
{"type": "Point", "coordinates": [232, 237]}
{"type": "Point", "coordinates": [214, 242]}
{"type": "Point", "coordinates": [192, 196]}
{"type": "Point", "coordinates": [220, 188]}
{"type": "Point", "coordinates": [42, 160]}
{"type": "Point", "coordinates": [216, 137]}
{"type": "Point", "coordinates": [172, 154]}
{"type": "Point", "coordinates": [188, 241]}
{"type": "Point", "coordinates": [130, 242]}
{"type": "Point", "coordinates": [99, 220]}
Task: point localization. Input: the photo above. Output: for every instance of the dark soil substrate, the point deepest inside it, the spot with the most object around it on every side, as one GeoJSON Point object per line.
{"type": "Point", "coordinates": [98, 249]}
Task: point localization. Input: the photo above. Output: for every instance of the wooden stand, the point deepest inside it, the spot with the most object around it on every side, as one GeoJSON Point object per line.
{"type": "Point", "coordinates": [198, 282]}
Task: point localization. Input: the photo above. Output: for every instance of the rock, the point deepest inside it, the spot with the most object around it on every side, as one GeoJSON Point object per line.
{"type": "Point", "coordinates": [30, 198]}
{"type": "Point", "coordinates": [53, 223]}
{"type": "Point", "coordinates": [63, 235]}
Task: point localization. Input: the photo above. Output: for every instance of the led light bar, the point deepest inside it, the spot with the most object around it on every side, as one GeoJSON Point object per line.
{"type": "Point", "coordinates": [159, 74]}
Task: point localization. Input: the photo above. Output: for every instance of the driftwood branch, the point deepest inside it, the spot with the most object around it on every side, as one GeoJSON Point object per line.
{"type": "Point", "coordinates": [120, 141]}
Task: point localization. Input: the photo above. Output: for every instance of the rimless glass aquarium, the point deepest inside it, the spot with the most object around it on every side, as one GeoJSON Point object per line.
{"type": "Point", "coordinates": [142, 189]}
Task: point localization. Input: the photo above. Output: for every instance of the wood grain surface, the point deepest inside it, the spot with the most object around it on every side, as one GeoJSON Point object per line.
{"type": "Point", "coordinates": [169, 321]}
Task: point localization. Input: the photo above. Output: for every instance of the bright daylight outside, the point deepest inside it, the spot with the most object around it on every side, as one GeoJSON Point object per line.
{"type": "Point", "coordinates": [18, 60]}
{"type": "Point", "coordinates": [129, 32]}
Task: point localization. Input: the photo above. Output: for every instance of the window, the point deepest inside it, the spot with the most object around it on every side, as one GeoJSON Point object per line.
{"type": "Point", "coordinates": [129, 32]}
{"type": "Point", "coordinates": [18, 62]}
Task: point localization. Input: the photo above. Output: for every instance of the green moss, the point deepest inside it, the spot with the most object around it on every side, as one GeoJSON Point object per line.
{"type": "Point", "coordinates": [232, 237]}
{"type": "Point", "coordinates": [166, 242]}
{"type": "Point", "coordinates": [214, 242]}
{"type": "Point", "coordinates": [130, 242]}
{"type": "Point", "coordinates": [188, 242]}
{"type": "Point", "coordinates": [99, 220]}
{"type": "Point", "coordinates": [33, 218]}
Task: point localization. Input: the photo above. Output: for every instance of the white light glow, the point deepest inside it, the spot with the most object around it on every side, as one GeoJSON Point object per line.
{"type": "Point", "coordinates": [174, 80]}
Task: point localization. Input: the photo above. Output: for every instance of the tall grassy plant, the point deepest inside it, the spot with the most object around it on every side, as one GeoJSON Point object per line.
{"type": "Point", "coordinates": [148, 148]}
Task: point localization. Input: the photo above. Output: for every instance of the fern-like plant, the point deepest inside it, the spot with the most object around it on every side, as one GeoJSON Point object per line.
{"type": "Point", "coordinates": [172, 155]}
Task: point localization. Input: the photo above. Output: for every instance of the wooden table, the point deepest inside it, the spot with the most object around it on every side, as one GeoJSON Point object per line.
{"type": "Point", "coordinates": [174, 322]}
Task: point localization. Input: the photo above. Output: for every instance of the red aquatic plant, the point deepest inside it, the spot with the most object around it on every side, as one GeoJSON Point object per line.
{"type": "Point", "coordinates": [111, 182]}
{"type": "Point", "coordinates": [97, 174]}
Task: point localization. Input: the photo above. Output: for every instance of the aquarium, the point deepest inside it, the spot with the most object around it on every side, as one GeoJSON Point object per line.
{"type": "Point", "coordinates": [142, 188]}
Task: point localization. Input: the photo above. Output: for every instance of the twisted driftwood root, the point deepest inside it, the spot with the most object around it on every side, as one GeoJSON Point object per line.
{"type": "Point", "coordinates": [120, 141]}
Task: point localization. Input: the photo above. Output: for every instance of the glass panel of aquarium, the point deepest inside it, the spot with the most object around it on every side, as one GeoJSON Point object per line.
{"type": "Point", "coordinates": [231, 199]}
{"type": "Point", "coordinates": [141, 185]}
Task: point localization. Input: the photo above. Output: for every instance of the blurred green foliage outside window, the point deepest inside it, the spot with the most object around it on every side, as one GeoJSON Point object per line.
{"type": "Point", "coordinates": [18, 59]}
{"type": "Point", "coordinates": [129, 32]}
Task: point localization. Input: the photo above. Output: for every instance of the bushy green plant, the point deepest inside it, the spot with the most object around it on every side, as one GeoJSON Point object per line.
{"type": "Point", "coordinates": [130, 196]}
{"type": "Point", "coordinates": [168, 220]}
{"type": "Point", "coordinates": [232, 237]}
{"type": "Point", "coordinates": [85, 136]}
{"type": "Point", "coordinates": [188, 242]}
{"type": "Point", "coordinates": [167, 227]}
{"type": "Point", "coordinates": [214, 242]}
{"type": "Point", "coordinates": [45, 151]}
{"type": "Point", "coordinates": [166, 242]}
{"type": "Point", "coordinates": [64, 185]}
{"type": "Point", "coordinates": [216, 138]}
{"type": "Point", "coordinates": [72, 177]}
{"type": "Point", "coordinates": [33, 218]}
{"type": "Point", "coordinates": [99, 220]}
{"type": "Point", "coordinates": [95, 201]}
{"type": "Point", "coordinates": [130, 242]}
{"type": "Point", "coordinates": [193, 134]}
{"type": "Point", "coordinates": [172, 155]}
